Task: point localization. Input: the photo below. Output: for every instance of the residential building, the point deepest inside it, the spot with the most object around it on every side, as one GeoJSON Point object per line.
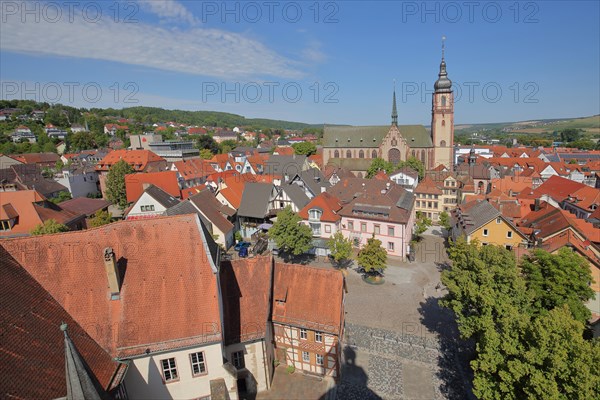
{"type": "Point", "coordinates": [257, 201]}
{"type": "Point", "coordinates": [23, 210]}
{"type": "Point", "coordinates": [143, 142]}
{"type": "Point", "coordinates": [222, 136]}
{"type": "Point", "coordinates": [379, 209]}
{"type": "Point", "coordinates": [80, 180]}
{"type": "Point", "coordinates": [136, 183]}
{"type": "Point", "coordinates": [406, 177]}
{"type": "Point", "coordinates": [222, 218]}
{"type": "Point", "coordinates": [85, 206]}
{"type": "Point", "coordinates": [153, 202]}
{"type": "Point", "coordinates": [479, 220]}
{"type": "Point", "coordinates": [140, 161]}
{"type": "Point", "coordinates": [29, 177]}
{"type": "Point", "coordinates": [23, 133]}
{"type": "Point", "coordinates": [308, 318]}
{"type": "Point", "coordinates": [42, 160]}
{"type": "Point", "coordinates": [321, 214]}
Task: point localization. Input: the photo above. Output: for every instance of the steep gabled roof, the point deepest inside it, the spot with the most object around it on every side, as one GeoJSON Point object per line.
{"type": "Point", "coordinates": [32, 343]}
{"type": "Point", "coordinates": [161, 261]}
{"type": "Point", "coordinates": [213, 210]}
{"type": "Point", "coordinates": [313, 297]}
{"type": "Point", "coordinates": [246, 287]}
{"type": "Point", "coordinates": [140, 160]}
{"type": "Point", "coordinates": [325, 202]}
{"type": "Point", "coordinates": [166, 180]}
{"type": "Point", "coordinates": [255, 200]}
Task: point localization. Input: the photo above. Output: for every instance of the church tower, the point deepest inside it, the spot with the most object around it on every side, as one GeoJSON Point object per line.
{"type": "Point", "coordinates": [442, 118]}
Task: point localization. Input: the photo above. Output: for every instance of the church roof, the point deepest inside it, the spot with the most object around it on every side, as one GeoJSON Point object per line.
{"type": "Point", "coordinates": [371, 136]}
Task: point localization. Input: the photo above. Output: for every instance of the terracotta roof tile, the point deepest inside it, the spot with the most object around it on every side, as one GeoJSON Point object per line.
{"type": "Point", "coordinates": [140, 160]}
{"type": "Point", "coordinates": [327, 203]}
{"type": "Point", "coordinates": [163, 260]}
{"type": "Point", "coordinates": [32, 343]}
{"type": "Point", "coordinates": [313, 297]}
{"type": "Point", "coordinates": [136, 183]}
{"type": "Point", "coordinates": [246, 287]}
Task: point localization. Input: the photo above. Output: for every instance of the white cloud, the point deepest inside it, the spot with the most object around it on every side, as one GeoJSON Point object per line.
{"type": "Point", "coordinates": [170, 10]}
{"type": "Point", "coordinates": [313, 52]}
{"type": "Point", "coordinates": [198, 51]}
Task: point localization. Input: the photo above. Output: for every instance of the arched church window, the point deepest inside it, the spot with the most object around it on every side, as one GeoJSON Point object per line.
{"type": "Point", "coordinates": [374, 154]}
{"type": "Point", "coordinates": [443, 122]}
{"type": "Point", "coordinates": [423, 156]}
{"type": "Point", "coordinates": [336, 154]}
{"type": "Point", "coordinates": [443, 101]}
{"type": "Point", "coordinates": [443, 143]}
{"type": "Point", "coordinates": [348, 154]}
{"type": "Point", "coordinates": [414, 153]}
{"type": "Point", "coordinates": [361, 154]}
{"type": "Point", "coordinates": [394, 142]}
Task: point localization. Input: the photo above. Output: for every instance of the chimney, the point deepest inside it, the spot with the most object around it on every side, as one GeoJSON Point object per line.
{"type": "Point", "coordinates": [112, 273]}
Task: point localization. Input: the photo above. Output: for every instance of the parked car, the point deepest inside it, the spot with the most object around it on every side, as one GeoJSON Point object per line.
{"type": "Point", "coordinates": [243, 252]}
{"type": "Point", "coordinates": [239, 245]}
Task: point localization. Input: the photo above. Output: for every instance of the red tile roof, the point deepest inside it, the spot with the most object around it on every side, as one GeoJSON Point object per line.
{"type": "Point", "coordinates": [284, 151]}
{"type": "Point", "coordinates": [194, 168]}
{"type": "Point", "coordinates": [140, 160]}
{"type": "Point", "coordinates": [136, 183]}
{"type": "Point", "coordinates": [556, 187]}
{"type": "Point", "coordinates": [327, 203]}
{"type": "Point", "coordinates": [32, 209]}
{"type": "Point", "coordinates": [308, 296]}
{"type": "Point", "coordinates": [164, 261]}
{"type": "Point", "coordinates": [32, 343]}
{"type": "Point", "coordinates": [246, 286]}
{"type": "Point", "coordinates": [84, 205]}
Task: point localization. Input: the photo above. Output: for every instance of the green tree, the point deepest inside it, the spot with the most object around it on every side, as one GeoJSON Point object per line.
{"type": "Point", "coordinates": [206, 154]}
{"type": "Point", "coordinates": [445, 220]}
{"type": "Point", "coordinates": [63, 195]}
{"type": "Point", "coordinates": [115, 183]}
{"type": "Point", "coordinates": [49, 226]}
{"type": "Point", "coordinates": [415, 164]}
{"type": "Point", "coordinates": [305, 148]}
{"type": "Point", "coordinates": [550, 360]}
{"type": "Point", "coordinates": [558, 279]}
{"type": "Point", "coordinates": [207, 142]}
{"type": "Point", "coordinates": [525, 348]}
{"type": "Point", "coordinates": [570, 135]}
{"type": "Point", "coordinates": [100, 218]}
{"type": "Point", "coordinates": [290, 235]}
{"type": "Point", "coordinates": [372, 257]}
{"type": "Point", "coordinates": [227, 146]}
{"type": "Point", "coordinates": [340, 247]}
{"type": "Point", "coordinates": [421, 224]}
{"type": "Point", "coordinates": [379, 164]}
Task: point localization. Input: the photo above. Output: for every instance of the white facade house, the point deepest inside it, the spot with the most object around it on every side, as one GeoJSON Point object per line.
{"type": "Point", "coordinates": [80, 183]}
{"type": "Point", "coordinates": [152, 203]}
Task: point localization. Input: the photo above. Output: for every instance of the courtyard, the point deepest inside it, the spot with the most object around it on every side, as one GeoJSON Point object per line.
{"type": "Point", "coordinates": [399, 343]}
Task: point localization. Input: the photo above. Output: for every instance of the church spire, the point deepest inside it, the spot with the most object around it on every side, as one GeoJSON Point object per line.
{"type": "Point", "coordinates": [394, 111]}
{"type": "Point", "coordinates": [81, 384]}
{"type": "Point", "coordinates": [443, 84]}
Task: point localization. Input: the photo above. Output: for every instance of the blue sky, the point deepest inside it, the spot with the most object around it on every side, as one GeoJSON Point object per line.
{"type": "Point", "coordinates": [326, 62]}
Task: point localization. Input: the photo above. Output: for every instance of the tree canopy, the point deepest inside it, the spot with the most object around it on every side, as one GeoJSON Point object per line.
{"type": "Point", "coordinates": [115, 183]}
{"type": "Point", "coordinates": [528, 342]}
{"type": "Point", "coordinates": [340, 247]}
{"type": "Point", "coordinates": [100, 218]}
{"type": "Point", "coordinates": [372, 257]}
{"type": "Point", "coordinates": [290, 235]}
{"type": "Point", "coordinates": [305, 148]}
{"type": "Point", "coordinates": [49, 226]}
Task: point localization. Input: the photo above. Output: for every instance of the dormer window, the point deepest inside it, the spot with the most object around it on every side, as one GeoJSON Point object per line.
{"type": "Point", "coordinates": [315, 214]}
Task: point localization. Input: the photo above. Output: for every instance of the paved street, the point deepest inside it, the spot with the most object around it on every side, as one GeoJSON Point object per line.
{"type": "Point", "coordinates": [400, 344]}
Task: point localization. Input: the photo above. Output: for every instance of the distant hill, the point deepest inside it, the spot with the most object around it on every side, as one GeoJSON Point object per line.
{"type": "Point", "coordinates": [201, 118]}
{"type": "Point", "coordinates": [590, 125]}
